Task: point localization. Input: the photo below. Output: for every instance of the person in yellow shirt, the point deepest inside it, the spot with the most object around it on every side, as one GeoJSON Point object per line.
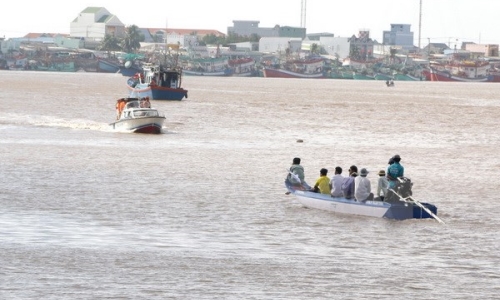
{"type": "Point", "coordinates": [323, 183]}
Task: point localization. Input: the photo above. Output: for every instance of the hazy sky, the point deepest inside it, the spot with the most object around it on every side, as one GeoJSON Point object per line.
{"type": "Point", "coordinates": [446, 21]}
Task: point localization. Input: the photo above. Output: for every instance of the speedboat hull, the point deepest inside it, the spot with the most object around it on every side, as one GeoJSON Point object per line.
{"type": "Point", "coordinates": [139, 125]}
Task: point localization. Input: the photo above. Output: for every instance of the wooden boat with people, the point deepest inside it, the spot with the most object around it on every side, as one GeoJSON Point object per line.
{"type": "Point", "coordinates": [400, 206]}
{"type": "Point", "coordinates": [136, 115]}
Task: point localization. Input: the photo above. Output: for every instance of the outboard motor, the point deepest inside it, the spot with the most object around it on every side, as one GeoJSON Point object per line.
{"type": "Point", "coordinates": [404, 186]}
{"type": "Point", "coordinates": [402, 189]}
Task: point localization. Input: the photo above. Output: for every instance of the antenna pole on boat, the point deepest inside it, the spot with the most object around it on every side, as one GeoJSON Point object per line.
{"type": "Point", "coordinates": [419, 24]}
{"type": "Point", "coordinates": [426, 209]}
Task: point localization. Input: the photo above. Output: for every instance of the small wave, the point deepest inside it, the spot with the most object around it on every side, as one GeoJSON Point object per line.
{"type": "Point", "coordinates": [51, 121]}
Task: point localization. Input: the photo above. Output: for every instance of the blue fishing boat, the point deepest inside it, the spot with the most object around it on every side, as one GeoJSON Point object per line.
{"type": "Point", "coordinates": [158, 83]}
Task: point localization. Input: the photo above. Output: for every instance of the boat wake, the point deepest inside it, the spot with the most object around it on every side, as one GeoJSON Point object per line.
{"type": "Point", "coordinates": [51, 121]}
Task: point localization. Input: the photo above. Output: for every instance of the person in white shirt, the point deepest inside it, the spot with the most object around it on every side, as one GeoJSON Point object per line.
{"type": "Point", "coordinates": [382, 185]}
{"type": "Point", "coordinates": [336, 183]}
{"type": "Point", "coordinates": [362, 187]}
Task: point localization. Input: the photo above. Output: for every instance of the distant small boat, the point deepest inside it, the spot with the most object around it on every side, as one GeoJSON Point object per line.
{"type": "Point", "coordinates": [157, 83]}
{"type": "Point", "coordinates": [136, 115]}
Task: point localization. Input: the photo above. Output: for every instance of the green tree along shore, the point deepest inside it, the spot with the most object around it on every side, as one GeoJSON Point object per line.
{"type": "Point", "coordinates": [133, 38]}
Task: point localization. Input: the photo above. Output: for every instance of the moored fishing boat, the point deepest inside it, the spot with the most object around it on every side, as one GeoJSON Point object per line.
{"type": "Point", "coordinates": [207, 66]}
{"type": "Point", "coordinates": [361, 76]}
{"type": "Point", "coordinates": [136, 115]}
{"type": "Point", "coordinates": [297, 68]}
{"type": "Point", "coordinates": [381, 76]}
{"type": "Point", "coordinates": [406, 77]}
{"type": "Point", "coordinates": [459, 71]}
{"type": "Point", "coordinates": [243, 67]}
{"type": "Point", "coordinates": [106, 66]}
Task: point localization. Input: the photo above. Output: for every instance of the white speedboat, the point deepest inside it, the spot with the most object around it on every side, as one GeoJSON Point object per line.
{"type": "Point", "coordinates": [136, 115]}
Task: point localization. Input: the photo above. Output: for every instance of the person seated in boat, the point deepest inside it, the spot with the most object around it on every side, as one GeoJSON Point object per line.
{"type": "Point", "coordinates": [348, 185]}
{"type": "Point", "coordinates": [382, 185]}
{"type": "Point", "coordinates": [296, 174]}
{"type": "Point", "coordinates": [322, 185]}
{"type": "Point", "coordinates": [145, 102]}
{"type": "Point", "coordinates": [363, 190]}
{"type": "Point", "coordinates": [336, 183]}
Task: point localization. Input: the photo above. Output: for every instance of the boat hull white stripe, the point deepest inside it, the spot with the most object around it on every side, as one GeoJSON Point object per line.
{"type": "Point", "coordinates": [325, 202]}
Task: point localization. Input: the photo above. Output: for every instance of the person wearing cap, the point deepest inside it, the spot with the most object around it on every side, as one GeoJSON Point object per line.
{"type": "Point", "coordinates": [336, 183]}
{"type": "Point", "coordinates": [395, 171]}
{"type": "Point", "coordinates": [382, 185]}
{"type": "Point", "coordinates": [322, 185]}
{"type": "Point", "coordinates": [348, 186]}
{"type": "Point", "coordinates": [362, 186]}
{"type": "Point", "coordinates": [298, 170]}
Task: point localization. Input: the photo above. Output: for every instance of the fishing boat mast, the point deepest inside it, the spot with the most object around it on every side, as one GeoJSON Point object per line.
{"type": "Point", "coordinates": [303, 13]}
{"type": "Point", "coordinates": [420, 24]}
